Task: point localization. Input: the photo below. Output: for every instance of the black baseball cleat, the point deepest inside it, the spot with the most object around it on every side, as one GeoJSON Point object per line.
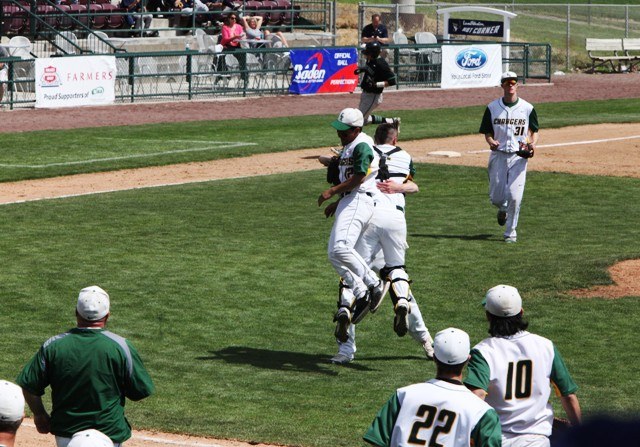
{"type": "Point", "coordinates": [343, 320]}
{"type": "Point", "coordinates": [400, 323]}
{"type": "Point", "coordinates": [502, 218]}
{"type": "Point", "coordinates": [360, 309]}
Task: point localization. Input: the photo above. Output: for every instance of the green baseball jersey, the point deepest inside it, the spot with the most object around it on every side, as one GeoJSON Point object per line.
{"type": "Point", "coordinates": [90, 372]}
{"type": "Point", "coordinates": [358, 157]}
{"type": "Point", "coordinates": [436, 412]}
{"type": "Point", "coordinates": [517, 372]}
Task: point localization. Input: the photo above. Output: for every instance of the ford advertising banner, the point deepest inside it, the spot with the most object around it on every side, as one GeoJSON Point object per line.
{"type": "Point", "coordinates": [471, 66]}
{"type": "Point", "coordinates": [75, 81]}
{"type": "Point", "coordinates": [324, 70]}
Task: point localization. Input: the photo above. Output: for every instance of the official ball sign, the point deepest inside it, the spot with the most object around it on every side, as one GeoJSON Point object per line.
{"type": "Point", "coordinates": [471, 66]}
{"type": "Point", "coordinates": [326, 70]}
{"type": "Point", "coordinates": [471, 59]}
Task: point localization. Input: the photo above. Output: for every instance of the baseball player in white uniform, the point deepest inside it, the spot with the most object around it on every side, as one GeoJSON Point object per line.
{"type": "Point", "coordinates": [513, 371]}
{"type": "Point", "coordinates": [441, 411]}
{"type": "Point", "coordinates": [358, 165]}
{"type": "Point", "coordinates": [384, 243]}
{"type": "Point", "coordinates": [508, 124]}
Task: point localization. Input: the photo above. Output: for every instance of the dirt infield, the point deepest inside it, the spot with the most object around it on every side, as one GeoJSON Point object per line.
{"type": "Point", "coordinates": [594, 150]}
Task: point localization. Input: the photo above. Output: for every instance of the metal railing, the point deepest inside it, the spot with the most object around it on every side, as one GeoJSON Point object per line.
{"type": "Point", "coordinates": [189, 75]}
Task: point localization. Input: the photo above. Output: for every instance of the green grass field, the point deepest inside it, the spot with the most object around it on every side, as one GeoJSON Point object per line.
{"type": "Point", "coordinates": [29, 155]}
{"type": "Point", "coordinates": [225, 289]}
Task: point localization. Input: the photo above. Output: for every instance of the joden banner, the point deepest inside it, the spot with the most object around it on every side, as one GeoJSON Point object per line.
{"type": "Point", "coordinates": [75, 81]}
{"type": "Point", "coordinates": [324, 70]}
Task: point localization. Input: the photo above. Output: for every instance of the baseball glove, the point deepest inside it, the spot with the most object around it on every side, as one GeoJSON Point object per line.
{"type": "Point", "coordinates": [560, 425]}
{"type": "Point", "coordinates": [526, 150]}
{"type": "Point", "coordinates": [333, 171]}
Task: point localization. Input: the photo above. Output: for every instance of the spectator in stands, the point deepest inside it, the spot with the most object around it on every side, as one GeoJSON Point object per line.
{"type": "Point", "coordinates": [253, 31]}
{"type": "Point", "coordinates": [11, 412]}
{"type": "Point", "coordinates": [375, 31]}
{"type": "Point", "coordinates": [189, 6]}
{"type": "Point", "coordinates": [3, 72]}
{"type": "Point", "coordinates": [90, 371]}
{"type": "Point", "coordinates": [232, 33]}
{"type": "Point", "coordinates": [136, 17]}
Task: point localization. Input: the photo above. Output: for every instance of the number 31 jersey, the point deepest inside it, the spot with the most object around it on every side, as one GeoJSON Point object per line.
{"type": "Point", "coordinates": [517, 372]}
{"type": "Point", "coordinates": [436, 412]}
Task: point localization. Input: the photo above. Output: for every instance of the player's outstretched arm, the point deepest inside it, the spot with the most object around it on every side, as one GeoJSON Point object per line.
{"type": "Point", "coordinates": [351, 183]}
{"type": "Point", "coordinates": [391, 187]}
{"type": "Point", "coordinates": [571, 407]}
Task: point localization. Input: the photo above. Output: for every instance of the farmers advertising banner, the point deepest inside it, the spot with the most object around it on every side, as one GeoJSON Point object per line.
{"type": "Point", "coordinates": [75, 81]}
{"type": "Point", "coordinates": [324, 70]}
{"type": "Point", "coordinates": [471, 66]}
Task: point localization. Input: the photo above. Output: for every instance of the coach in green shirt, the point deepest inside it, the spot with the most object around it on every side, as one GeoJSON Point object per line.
{"type": "Point", "coordinates": [90, 371]}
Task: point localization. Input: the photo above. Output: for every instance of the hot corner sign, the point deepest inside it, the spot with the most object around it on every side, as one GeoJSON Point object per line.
{"type": "Point", "coordinates": [476, 27]}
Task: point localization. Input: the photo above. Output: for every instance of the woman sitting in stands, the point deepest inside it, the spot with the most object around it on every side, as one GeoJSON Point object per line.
{"type": "Point", "coordinates": [254, 32]}
{"type": "Point", "coordinates": [232, 32]}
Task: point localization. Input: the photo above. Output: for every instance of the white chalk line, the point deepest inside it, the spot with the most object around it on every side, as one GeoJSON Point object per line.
{"type": "Point", "coordinates": [247, 176]}
{"type": "Point", "coordinates": [221, 145]}
{"type": "Point", "coordinates": [154, 439]}
{"type": "Point", "coordinates": [107, 191]}
{"type": "Point", "coordinates": [570, 143]}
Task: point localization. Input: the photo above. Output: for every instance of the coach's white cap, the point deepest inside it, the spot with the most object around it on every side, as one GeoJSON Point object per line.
{"type": "Point", "coordinates": [93, 303]}
{"type": "Point", "coordinates": [508, 75]}
{"type": "Point", "coordinates": [503, 301]}
{"type": "Point", "coordinates": [90, 438]}
{"type": "Point", "coordinates": [452, 346]}
{"type": "Point", "coordinates": [11, 402]}
{"type": "Point", "coordinates": [347, 119]}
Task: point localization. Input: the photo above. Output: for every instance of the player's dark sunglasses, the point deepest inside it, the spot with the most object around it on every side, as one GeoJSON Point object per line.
{"type": "Point", "coordinates": [510, 82]}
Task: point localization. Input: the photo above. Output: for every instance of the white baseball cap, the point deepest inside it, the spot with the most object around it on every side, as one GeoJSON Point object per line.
{"type": "Point", "coordinates": [508, 75]}
{"type": "Point", "coordinates": [93, 303]}
{"type": "Point", "coordinates": [452, 346]}
{"type": "Point", "coordinates": [347, 119]}
{"type": "Point", "coordinates": [11, 402]}
{"type": "Point", "coordinates": [503, 301]}
{"type": "Point", "coordinates": [90, 438]}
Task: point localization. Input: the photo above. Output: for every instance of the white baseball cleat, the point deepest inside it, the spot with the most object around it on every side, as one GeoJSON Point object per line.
{"type": "Point", "coordinates": [428, 348]}
{"type": "Point", "coordinates": [341, 359]}
{"type": "Point", "coordinates": [510, 240]}
{"type": "Point", "coordinates": [343, 320]}
{"type": "Point", "coordinates": [400, 322]}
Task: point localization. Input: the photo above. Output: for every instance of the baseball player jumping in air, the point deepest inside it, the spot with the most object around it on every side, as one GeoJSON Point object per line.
{"type": "Point", "coordinates": [384, 243]}
{"type": "Point", "coordinates": [376, 75]}
{"type": "Point", "coordinates": [510, 127]}
{"type": "Point", "coordinates": [358, 167]}
{"type": "Point", "coordinates": [440, 411]}
{"type": "Point", "coordinates": [513, 370]}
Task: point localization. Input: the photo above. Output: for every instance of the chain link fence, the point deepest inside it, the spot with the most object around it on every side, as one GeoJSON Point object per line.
{"type": "Point", "coordinates": [564, 26]}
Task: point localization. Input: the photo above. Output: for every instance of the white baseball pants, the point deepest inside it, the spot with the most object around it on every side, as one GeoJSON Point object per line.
{"type": "Point", "coordinates": [352, 216]}
{"type": "Point", "coordinates": [507, 177]}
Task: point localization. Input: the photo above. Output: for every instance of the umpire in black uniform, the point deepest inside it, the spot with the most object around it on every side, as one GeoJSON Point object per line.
{"type": "Point", "coordinates": [376, 75]}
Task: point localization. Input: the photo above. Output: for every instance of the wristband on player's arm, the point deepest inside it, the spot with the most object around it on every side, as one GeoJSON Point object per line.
{"type": "Point", "coordinates": [380, 84]}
